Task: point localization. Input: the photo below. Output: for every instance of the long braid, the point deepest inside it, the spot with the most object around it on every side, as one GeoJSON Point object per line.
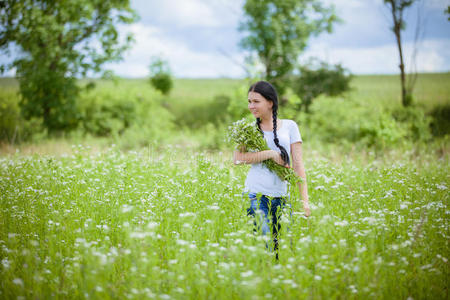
{"type": "Point", "coordinates": [284, 154]}
{"type": "Point", "coordinates": [258, 123]}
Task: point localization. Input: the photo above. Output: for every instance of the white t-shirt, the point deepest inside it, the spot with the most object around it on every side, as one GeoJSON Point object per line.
{"type": "Point", "coordinates": [259, 178]}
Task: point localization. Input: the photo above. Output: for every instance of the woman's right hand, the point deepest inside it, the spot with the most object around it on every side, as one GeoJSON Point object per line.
{"type": "Point", "coordinates": [276, 157]}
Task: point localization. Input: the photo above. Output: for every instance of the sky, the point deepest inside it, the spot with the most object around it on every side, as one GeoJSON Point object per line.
{"type": "Point", "coordinates": [200, 38]}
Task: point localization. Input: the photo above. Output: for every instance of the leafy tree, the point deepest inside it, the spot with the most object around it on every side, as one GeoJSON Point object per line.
{"type": "Point", "coordinates": [278, 31]}
{"type": "Point", "coordinates": [397, 8]}
{"type": "Point", "coordinates": [60, 41]}
{"type": "Point", "coordinates": [321, 79]}
{"type": "Point", "coordinates": [160, 77]}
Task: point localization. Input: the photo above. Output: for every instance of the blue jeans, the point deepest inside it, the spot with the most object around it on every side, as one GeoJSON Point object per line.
{"type": "Point", "coordinates": [260, 209]}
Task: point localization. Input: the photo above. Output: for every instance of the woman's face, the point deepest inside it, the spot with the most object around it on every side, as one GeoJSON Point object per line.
{"type": "Point", "coordinates": [258, 105]}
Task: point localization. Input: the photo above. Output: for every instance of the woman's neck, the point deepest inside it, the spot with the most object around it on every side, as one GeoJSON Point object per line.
{"type": "Point", "coordinates": [268, 123]}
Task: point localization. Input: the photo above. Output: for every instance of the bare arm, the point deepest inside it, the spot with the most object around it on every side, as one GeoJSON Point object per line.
{"type": "Point", "coordinates": [252, 157]}
{"type": "Point", "coordinates": [299, 169]}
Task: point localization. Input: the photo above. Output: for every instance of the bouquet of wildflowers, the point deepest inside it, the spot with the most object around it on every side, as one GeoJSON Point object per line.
{"type": "Point", "coordinates": [245, 134]}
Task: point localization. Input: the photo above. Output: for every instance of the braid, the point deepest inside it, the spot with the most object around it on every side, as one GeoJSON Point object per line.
{"type": "Point", "coordinates": [258, 123]}
{"type": "Point", "coordinates": [284, 154]}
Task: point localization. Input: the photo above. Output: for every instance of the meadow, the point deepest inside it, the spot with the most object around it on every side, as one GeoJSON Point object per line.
{"type": "Point", "coordinates": [172, 225]}
{"type": "Point", "coordinates": [104, 217]}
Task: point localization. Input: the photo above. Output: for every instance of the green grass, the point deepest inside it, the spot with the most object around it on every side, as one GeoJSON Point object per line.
{"type": "Point", "coordinates": [430, 90]}
{"type": "Point", "coordinates": [91, 221]}
{"type": "Point", "coordinates": [172, 224]}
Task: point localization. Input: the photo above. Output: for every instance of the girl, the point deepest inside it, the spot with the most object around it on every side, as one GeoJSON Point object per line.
{"type": "Point", "coordinates": [283, 138]}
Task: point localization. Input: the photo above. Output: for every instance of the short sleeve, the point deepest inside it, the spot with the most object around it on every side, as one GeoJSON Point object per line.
{"type": "Point", "coordinates": [294, 133]}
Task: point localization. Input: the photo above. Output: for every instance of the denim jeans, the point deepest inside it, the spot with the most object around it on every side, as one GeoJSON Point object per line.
{"type": "Point", "coordinates": [260, 209]}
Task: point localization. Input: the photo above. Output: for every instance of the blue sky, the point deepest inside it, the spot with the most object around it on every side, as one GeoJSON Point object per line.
{"type": "Point", "coordinates": [199, 38]}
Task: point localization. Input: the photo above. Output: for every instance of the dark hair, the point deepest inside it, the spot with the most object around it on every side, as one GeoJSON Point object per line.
{"type": "Point", "coordinates": [269, 92]}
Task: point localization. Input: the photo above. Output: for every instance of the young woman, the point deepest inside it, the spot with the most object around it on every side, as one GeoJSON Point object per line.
{"type": "Point", "coordinates": [283, 138]}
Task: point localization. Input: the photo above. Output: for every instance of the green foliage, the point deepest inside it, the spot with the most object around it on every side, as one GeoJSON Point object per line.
{"type": "Point", "coordinates": [153, 126]}
{"type": "Point", "coordinates": [278, 31]}
{"type": "Point", "coordinates": [48, 94]}
{"type": "Point", "coordinates": [55, 39]}
{"type": "Point", "coordinates": [13, 128]}
{"type": "Point", "coordinates": [331, 122]}
{"type": "Point", "coordinates": [415, 122]}
{"type": "Point", "coordinates": [131, 117]}
{"type": "Point", "coordinates": [315, 80]}
{"type": "Point", "coordinates": [9, 117]}
{"type": "Point", "coordinates": [199, 113]}
{"type": "Point", "coordinates": [440, 123]}
{"type": "Point", "coordinates": [105, 112]}
{"type": "Point", "coordinates": [381, 132]}
{"type": "Point", "coordinates": [238, 107]}
{"type": "Point", "coordinates": [197, 110]}
{"type": "Point", "coordinates": [160, 77]}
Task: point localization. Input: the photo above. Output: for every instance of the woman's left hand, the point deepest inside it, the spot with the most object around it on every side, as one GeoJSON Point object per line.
{"type": "Point", "coordinates": [307, 209]}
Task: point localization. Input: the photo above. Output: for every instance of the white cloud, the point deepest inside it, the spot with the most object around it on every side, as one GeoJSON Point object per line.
{"type": "Point", "coordinates": [432, 56]}
{"type": "Point", "coordinates": [183, 61]}
{"type": "Point", "coordinates": [188, 13]}
{"type": "Point", "coordinates": [191, 13]}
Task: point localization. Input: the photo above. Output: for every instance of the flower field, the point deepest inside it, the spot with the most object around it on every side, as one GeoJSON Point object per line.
{"type": "Point", "coordinates": [172, 224]}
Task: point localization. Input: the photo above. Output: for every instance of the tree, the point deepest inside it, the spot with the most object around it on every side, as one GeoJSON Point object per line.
{"type": "Point", "coordinates": [397, 8]}
{"type": "Point", "coordinates": [318, 79]}
{"type": "Point", "coordinates": [58, 41]}
{"type": "Point", "coordinates": [278, 31]}
{"type": "Point", "coordinates": [160, 77]}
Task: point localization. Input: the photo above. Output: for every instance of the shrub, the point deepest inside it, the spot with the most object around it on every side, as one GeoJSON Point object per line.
{"type": "Point", "coordinates": [319, 78]}
{"type": "Point", "coordinates": [440, 120]}
{"type": "Point", "coordinates": [160, 77]}
{"type": "Point", "coordinates": [331, 122]}
{"type": "Point", "coordinates": [13, 127]}
{"type": "Point", "coordinates": [415, 122]}
{"type": "Point", "coordinates": [237, 107]}
{"type": "Point", "coordinates": [162, 82]}
{"type": "Point", "coordinates": [197, 115]}
{"type": "Point", "coordinates": [130, 116]}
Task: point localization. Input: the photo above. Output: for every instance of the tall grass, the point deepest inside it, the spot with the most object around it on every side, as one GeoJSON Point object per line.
{"type": "Point", "coordinates": [172, 225]}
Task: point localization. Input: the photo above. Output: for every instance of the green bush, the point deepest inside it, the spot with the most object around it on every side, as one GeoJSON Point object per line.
{"type": "Point", "coordinates": [343, 121]}
{"type": "Point", "coordinates": [198, 114]}
{"type": "Point", "coordinates": [440, 120]}
{"type": "Point", "coordinates": [160, 77]}
{"type": "Point", "coordinates": [105, 112]}
{"type": "Point", "coordinates": [317, 78]}
{"type": "Point", "coordinates": [152, 125]}
{"type": "Point", "coordinates": [131, 116]}
{"type": "Point", "coordinates": [162, 82]}
{"type": "Point", "coordinates": [13, 127]}
{"type": "Point", "coordinates": [238, 107]}
{"type": "Point", "coordinates": [415, 122]}
{"type": "Point", "coordinates": [381, 131]}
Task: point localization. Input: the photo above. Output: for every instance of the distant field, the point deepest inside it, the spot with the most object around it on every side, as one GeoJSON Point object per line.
{"type": "Point", "coordinates": [430, 89]}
